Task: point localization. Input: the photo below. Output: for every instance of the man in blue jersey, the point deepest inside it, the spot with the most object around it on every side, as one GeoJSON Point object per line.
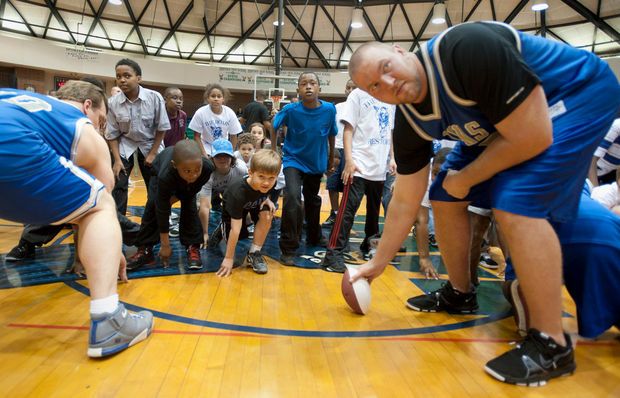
{"type": "Point", "coordinates": [54, 169]}
{"type": "Point", "coordinates": [528, 114]}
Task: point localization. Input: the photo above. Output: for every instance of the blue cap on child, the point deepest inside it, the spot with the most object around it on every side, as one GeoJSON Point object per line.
{"type": "Point", "coordinates": [222, 145]}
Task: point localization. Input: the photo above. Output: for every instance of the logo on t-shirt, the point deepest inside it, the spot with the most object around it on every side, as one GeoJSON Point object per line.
{"type": "Point", "coordinates": [216, 131]}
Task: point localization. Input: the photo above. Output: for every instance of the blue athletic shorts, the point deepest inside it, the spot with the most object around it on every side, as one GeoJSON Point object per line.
{"type": "Point", "coordinates": [548, 185]}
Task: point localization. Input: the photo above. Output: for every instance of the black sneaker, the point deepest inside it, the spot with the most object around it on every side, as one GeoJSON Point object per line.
{"type": "Point", "coordinates": [257, 262]}
{"type": "Point", "coordinates": [23, 251]}
{"type": "Point", "coordinates": [143, 257]}
{"type": "Point", "coordinates": [447, 299]}
{"type": "Point", "coordinates": [535, 360]}
{"type": "Point", "coordinates": [333, 264]}
{"type": "Point", "coordinates": [287, 259]}
{"type": "Point", "coordinates": [216, 236]}
{"type": "Point", "coordinates": [432, 241]}
{"type": "Point", "coordinates": [331, 220]}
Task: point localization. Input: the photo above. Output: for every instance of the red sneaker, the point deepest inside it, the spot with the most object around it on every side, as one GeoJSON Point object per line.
{"type": "Point", "coordinates": [193, 257]}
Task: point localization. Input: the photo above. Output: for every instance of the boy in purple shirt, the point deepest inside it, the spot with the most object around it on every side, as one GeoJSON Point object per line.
{"type": "Point", "coordinates": [178, 119]}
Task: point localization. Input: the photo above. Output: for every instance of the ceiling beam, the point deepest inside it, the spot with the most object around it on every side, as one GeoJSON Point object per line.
{"type": "Point", "coordinates": [2, 8]}
{"type": "Point", "coordinates": [60, 19]}
{"type": "Point", "coordinates": [175, 27]}
{"type": "Point", "coordinates": [473, 9]}
{"type": "Point", "coordinates": [136, 25]}
{"type": "Point", "coordinates": [316, 12]}
{"type": "Point", "coordinates": [416, 41]}
{"type": "Point", "coordinates": [32, 33]}
{"type": "Point", "coordinates": [97, 20]}
{"type": "Point", "coordinates": [344, 46]}
{"type": "Point", "coordinates": [389, 21]}
{"type": "Point", "coordinates": [334, 25]}
{"type": "Point", "coordinates": [371, 27]}
{"type": "Point", "coordinates": [593, 18]}
{"type": "Point", "coordinates": [307, 37]}
{"type": "Point", "coordinates": [250, 30]}
{"type": "Point", "coordinates": [515, 11]}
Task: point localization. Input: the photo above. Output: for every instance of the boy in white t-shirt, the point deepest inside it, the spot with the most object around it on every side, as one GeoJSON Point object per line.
{"type": "Point", "coordinates": [367, 139]}
{"type": "Point", "coordinates": [334, 183]}
{"type": "Point", "coordinates": [214, 120]}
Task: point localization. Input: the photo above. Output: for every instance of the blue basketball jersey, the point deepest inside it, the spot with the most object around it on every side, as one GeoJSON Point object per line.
{"type": "Point", "coordinates": [39, 184]}
{"type": "Point", "coordinates": [58, 124]}
{"type": "Point", "coordinates": [564, 73]}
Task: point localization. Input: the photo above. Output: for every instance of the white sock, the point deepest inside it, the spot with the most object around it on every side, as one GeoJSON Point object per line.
{"type": "Point", "coordinates": [105, 305]}
{"type": "Point", "coordinates": [255, 248]}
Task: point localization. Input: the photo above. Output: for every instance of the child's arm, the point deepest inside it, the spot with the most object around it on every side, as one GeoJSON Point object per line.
{"type": "Point", "coordinates": [159, 137]}
{"type": "Point", "coordinates": [197, 138]}
{"type": "Point", "coordinates": [117, 167]}
{"type": "Point", "coordinates": [233, 237]}
{"type": "Point", "coordinates": [350, 167]}
{"type": "Point", "coordinates": [204, 213]}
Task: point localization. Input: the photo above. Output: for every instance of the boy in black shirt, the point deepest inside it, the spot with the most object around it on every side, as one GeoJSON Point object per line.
{"type": "Point", "coordinates": [180, 173]}
{"type": "Point", "coordinates": [249, 195]}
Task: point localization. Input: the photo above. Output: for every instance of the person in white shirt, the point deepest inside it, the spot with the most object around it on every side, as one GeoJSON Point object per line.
{"type": "Point", "coordinates": [368, 125]}
{"type": "Point", "coordinates": [215, 120]}
{"type": "Point", "coordinates": [137, 121]}
{"type": "Point", "coordinates": [334, 183]}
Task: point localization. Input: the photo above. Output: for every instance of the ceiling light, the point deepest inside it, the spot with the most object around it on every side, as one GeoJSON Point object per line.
{"type": "Point", "coordinates": [540, 5]}
{"type": "Point", "coordinates": [115, 2]}
{"type": "Point", "coordinates": [356, 18]}
{"type": "Point", "coordinates": [275, 21]}
{"type": "Point", "coordinates": [439, 13]}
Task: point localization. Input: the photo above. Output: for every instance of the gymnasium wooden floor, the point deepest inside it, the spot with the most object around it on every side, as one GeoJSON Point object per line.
{"type": "Point", "coordinates": [285, 334]}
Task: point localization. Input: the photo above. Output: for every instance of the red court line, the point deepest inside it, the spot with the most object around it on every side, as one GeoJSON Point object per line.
{"type": "Point", "coordinates": [157, 331]}
{"type": "Point", "coordinates": [490, 340]}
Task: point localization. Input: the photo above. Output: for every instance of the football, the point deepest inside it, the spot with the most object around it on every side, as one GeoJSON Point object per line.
{"type": "Point", "coordinates": [357, 294]}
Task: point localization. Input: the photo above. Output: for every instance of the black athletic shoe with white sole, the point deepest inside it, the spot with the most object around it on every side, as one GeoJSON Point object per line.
{"type": "Point", "coordinates": [446, 298]}
{"type": "Point", "coordinates": [533, 361]}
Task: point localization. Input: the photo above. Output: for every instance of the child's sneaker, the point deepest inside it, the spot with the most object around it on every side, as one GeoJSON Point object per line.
{"type": "Point", "coordinates": [112, 333]}
{"type": "Point", "coordinates": [446, 298]}
{"type": "Point", "coordinates": [257, 262]}
{"type": "Point", "coordinates": [331, 220]}
{"type": "Point", "coordinates": [144, 256]}
{"type": "Point", "coordinates": [194, 261]}
{"type": "Point", "coordinates": [487, 262]}
{"type": "Point", "coordinates": [333, 264]}
{"type": "Point", "coordinates": [535, 360]}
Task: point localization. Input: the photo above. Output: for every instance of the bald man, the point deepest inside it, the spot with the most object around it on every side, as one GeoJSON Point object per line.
{"type": "Point", "coordinates": [528, 114]}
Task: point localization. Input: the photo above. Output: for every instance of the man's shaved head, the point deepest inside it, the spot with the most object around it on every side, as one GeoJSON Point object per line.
{"type": "Point", "coordinates": [358, 57]}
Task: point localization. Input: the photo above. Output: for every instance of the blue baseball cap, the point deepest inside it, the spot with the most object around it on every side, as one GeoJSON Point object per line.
{"type": "Point", "coordinates": [222, 145]}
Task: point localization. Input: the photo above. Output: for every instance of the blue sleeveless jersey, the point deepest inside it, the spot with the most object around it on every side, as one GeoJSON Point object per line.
{"type": "Point", "coordinates": [55, 122]}
{"type": "Point", "coordinates": [564, 73]}
{"type": "Point", "coordinates": [39, 184]}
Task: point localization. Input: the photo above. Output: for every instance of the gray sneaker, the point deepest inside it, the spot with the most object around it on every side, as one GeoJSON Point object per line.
{"type": "Point", "coordinates": [112, 333]}
{"type": "Point", "coordinates": [257, 262]}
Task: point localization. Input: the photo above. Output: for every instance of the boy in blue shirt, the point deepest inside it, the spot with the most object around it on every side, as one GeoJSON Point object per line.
{"type": "Point", "coordinates": [310, 131]}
